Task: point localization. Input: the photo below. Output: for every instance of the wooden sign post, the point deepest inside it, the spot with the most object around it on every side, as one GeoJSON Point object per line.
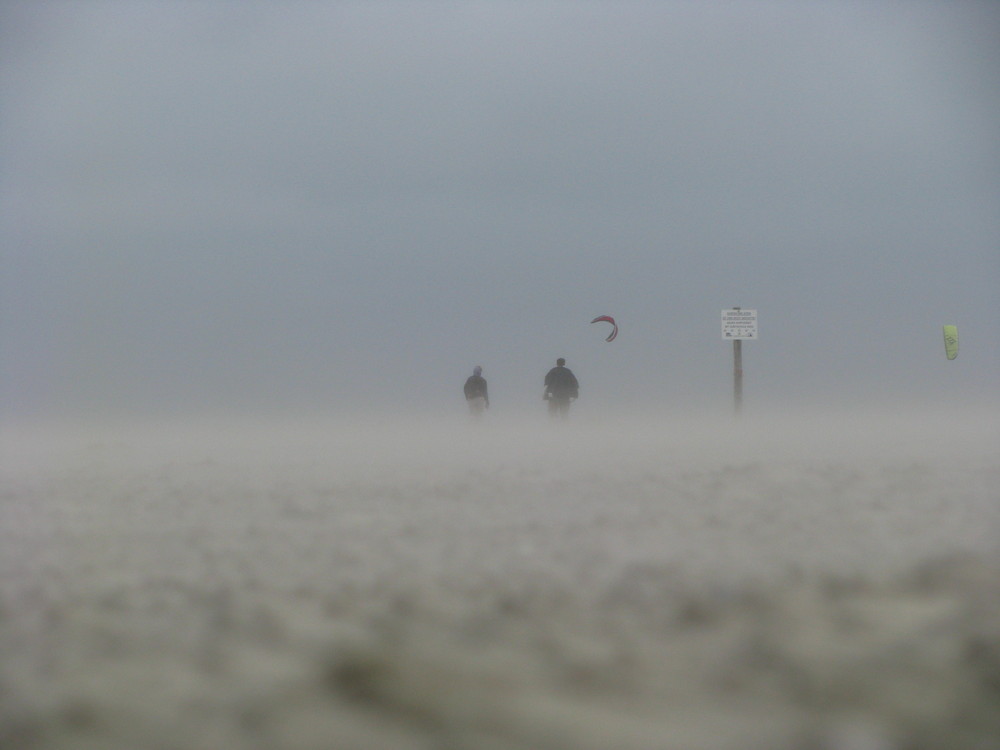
{"type": "Point", "coordinates": [738, 324]}
{"type": "Point", "coordinates": [738, 375]}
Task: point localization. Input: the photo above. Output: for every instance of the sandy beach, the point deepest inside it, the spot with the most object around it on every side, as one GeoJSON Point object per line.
{"type": "Point", "coordinates": [820, 580]}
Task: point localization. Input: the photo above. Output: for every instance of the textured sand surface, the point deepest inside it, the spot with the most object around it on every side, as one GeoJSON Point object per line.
{"type": "Point", "coordinates": [827, 581]}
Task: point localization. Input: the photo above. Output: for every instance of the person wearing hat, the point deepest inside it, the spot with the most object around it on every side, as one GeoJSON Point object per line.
{"type": "Point", "coordinates": [561, 387]}
{"type": "Point", "coordinates": [476, 395]}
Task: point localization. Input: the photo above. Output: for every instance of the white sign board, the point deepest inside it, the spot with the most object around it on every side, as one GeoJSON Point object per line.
{"type": "Point", "coordinates": [739, 324]}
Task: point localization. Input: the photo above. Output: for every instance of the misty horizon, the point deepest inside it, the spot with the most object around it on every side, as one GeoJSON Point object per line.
{"type": "Point", "coordinates": [342, 208]}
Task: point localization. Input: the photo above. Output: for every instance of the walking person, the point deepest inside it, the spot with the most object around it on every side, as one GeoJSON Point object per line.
{"type": "Point", "coordinates": [476, 394]}
{"type": "Point", "coordinates": [561, 387]}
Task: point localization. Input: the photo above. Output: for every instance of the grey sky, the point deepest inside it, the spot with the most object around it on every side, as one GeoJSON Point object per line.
{"type": "Point", "coordinates": [244, 206]}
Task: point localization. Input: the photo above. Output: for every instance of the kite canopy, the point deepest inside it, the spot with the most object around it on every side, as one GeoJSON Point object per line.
{"type": "Point", "coordinates": [607, 319]}
{"type": "Point", "coordinates": [951, 341]}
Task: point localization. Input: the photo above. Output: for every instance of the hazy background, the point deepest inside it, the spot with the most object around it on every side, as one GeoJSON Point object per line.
{"type": "Point", "coordinates": [251, 207]}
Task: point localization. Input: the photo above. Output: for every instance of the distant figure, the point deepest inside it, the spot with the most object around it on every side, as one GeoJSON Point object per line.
{"type": "Point", "coordinates": [476, 395]}
{"type": "Point", "coordinates": [561, 387]}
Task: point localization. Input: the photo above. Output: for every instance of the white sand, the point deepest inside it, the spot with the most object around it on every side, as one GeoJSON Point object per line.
{"type": "Point", "coordinates": [827, 581]}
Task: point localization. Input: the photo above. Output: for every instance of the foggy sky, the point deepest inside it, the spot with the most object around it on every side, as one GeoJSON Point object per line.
{"type": "Point", "coordinates": [343, 206]}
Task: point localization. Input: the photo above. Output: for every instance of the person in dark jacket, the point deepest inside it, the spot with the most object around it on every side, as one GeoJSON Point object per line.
{"type": "Point", "coordinates": [476, 395]}
{"type": "Point", "coordinates": [561, 387]}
